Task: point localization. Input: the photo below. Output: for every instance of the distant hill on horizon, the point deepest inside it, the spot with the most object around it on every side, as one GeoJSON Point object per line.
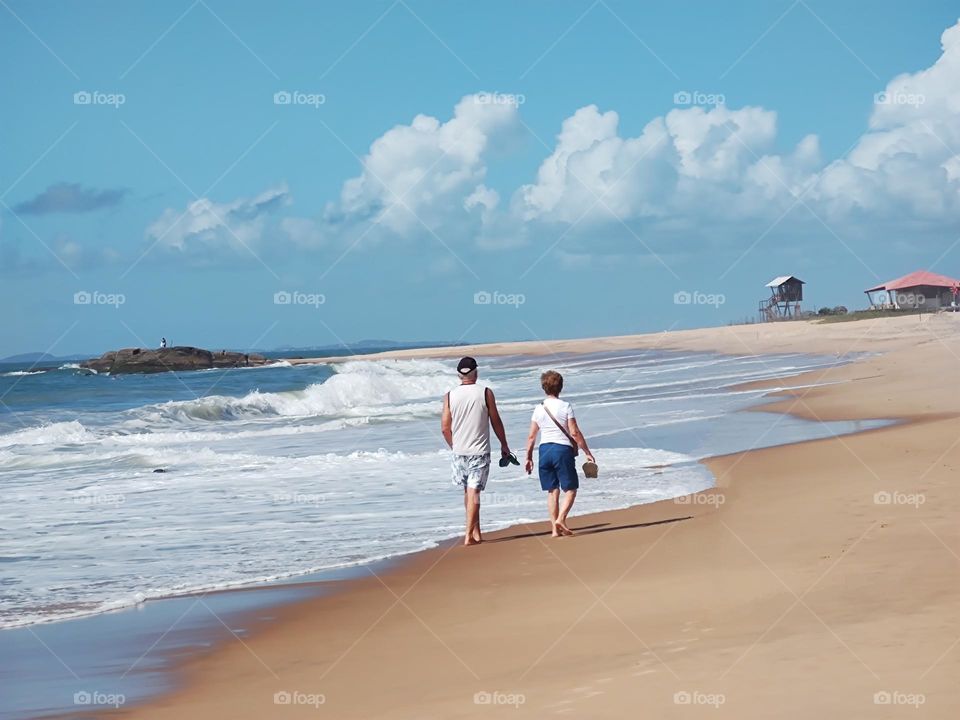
{"type": "Point", "coordinates": [39, 357]}
{"type": "Point", "coordinates": [365, 345]}
{"type": "Point", "coordinates": [361, 345]}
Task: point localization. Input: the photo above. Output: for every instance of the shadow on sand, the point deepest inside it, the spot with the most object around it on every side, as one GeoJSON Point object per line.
{"type": "Point", "coordinates": [592, 529]}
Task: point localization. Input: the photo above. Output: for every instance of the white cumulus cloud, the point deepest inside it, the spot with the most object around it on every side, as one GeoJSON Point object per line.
{"type": "Point", "coordinates": [906, 163]}
{"type": "Point", "coordinates": [209, 225]}
{"type": "Point", "coordinates": [427, 172]}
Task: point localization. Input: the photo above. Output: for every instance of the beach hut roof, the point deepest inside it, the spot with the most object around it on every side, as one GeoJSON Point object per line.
{"type": "Point", "coordinates": [778, 281]}
{"type": "Point", "coordinates": [914, 279]}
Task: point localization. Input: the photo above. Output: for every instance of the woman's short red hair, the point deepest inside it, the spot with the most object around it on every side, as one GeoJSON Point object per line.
{"type": "Point", "coordinates": [551, 382]}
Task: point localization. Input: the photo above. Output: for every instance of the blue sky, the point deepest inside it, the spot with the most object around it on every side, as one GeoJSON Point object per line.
{"type": "Point", "coordinates": [581, 162]}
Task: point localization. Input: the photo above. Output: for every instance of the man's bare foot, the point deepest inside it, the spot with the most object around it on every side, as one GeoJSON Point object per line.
{"type": "Point", "coordinates": [470, 541]}
{"type": "Point", "coordinates": [564, 530]}
{"type": "Point", "coordinates": [556, 532]}
{"type": "Point", "coordinates": [477, 538]}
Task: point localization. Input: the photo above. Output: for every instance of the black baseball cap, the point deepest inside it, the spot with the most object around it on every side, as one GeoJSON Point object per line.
{"type": "Point", "coordinates": [466, 365]}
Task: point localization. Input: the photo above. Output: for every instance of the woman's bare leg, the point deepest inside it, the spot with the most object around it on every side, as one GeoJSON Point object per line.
{"type": "Point", "coordinates": [561, 523]}
{"type": "Point", "coordinates": [553, 507]}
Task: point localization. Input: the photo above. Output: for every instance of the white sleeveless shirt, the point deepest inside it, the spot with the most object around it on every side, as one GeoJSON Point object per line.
{"type": "Point", "coordinates": [471, 421]}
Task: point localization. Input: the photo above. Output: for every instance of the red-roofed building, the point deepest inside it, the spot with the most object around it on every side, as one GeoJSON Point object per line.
{"type": "Point", "coordinates": [920, 290]}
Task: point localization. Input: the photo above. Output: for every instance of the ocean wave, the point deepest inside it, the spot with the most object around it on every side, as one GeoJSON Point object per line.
{"type": "Point", "coordinates": [357, 388]}
{"type": "Point", "coordinates": [78, 370]}
{"type": "Point", "coordinates": [22, 373]}
{"type": "Point", "coordinates": [59, 433]}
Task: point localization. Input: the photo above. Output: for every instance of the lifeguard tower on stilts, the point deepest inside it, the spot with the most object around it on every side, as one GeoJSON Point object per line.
{"type": "Point", "coordinates": [786, 294]}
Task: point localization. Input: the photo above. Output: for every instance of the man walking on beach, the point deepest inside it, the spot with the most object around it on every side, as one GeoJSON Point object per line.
{"type": "Point", "coordinates": [468, 412]}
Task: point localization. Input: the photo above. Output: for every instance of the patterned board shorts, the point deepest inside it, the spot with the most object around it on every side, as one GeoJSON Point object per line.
{"type": "Point", "coordinates": [471, 471]}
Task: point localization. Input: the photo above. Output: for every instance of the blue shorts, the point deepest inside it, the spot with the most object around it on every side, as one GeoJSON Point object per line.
{"type": "Point", "coordinates": [557, 467]}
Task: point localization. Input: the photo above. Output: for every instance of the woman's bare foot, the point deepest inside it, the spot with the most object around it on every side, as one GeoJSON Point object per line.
{"type": "Point", "coordinates": [470, 541]}
{"type": "Point", "coordinates": [564, 530]}
{"type": "Point", "coordinates": [555, 532]}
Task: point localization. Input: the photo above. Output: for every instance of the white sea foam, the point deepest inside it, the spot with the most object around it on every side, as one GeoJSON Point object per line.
{"type": "Point", "coordinates": [52, 434]}
{"type": "Point", "coordinates": [357, 388]}
{"type": "Point", "coordinates": [251, 515]}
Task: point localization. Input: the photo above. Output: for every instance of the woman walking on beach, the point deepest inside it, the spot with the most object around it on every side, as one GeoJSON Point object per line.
{"type": "Point", "coordinates": [559, 437]}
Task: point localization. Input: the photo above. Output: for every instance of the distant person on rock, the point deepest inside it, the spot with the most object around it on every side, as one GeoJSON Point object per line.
{"type": "Point", "coordinates": [163, 342]}
{"type": "Point", "coordinates": [469, 410]}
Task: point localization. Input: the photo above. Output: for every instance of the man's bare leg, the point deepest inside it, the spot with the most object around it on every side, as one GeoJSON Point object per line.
{"type": "Point", "coordinates": [476, 528]}
{"type": "Point", "coordinates": [568, 497]}
{"type": "Point", "coordinates": [471, 500]}
{"type": "Point", "coordinates": [553, 507]}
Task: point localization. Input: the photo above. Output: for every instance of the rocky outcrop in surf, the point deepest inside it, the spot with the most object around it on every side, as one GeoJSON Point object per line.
{"type": "Point", "coordinates": [143, 360]}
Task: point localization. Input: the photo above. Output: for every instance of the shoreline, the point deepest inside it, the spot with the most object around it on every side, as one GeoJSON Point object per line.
{"type": "Point", "coordinates": [816, 336]}
{"type": "Point", "coordinates": [712, 538]}
{"type": "Point", "coordinates": [199, 671]}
